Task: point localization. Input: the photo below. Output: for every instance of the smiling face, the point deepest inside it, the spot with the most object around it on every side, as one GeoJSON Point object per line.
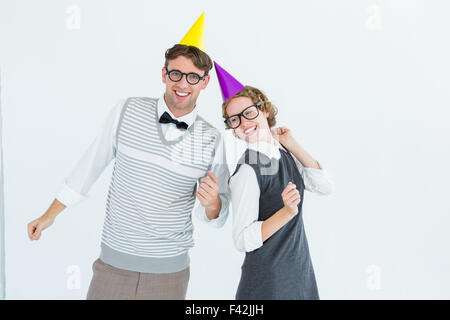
{"type": "Point", "coordinates": [181, 97]}
{"type": "Point", "coordinates": [249, 130]}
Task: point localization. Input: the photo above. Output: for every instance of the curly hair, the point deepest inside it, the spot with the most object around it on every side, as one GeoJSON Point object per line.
{"type": "Point", "coordinates": [256, 95]}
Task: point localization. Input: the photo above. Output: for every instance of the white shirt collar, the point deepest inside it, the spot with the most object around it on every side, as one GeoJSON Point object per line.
{"type": "Point", "coordinates": [270, 149]}
{"type": "Point", "coordinates": [188, 118]}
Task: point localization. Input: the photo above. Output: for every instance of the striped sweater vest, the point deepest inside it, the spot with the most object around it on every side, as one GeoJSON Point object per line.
{"type": "Point", "coordinates": [148, 225]}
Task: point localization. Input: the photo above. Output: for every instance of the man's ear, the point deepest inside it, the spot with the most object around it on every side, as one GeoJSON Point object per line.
{"type": "Point", "coordinates": [205, 82]}
{"type": "Point", "coordinates": [164, 75]}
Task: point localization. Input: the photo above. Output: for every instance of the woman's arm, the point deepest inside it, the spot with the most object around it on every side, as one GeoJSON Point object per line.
{"type": "Point", "coordinates": [249, 233]}
{"type": "Point", "coordinates": [246, 228]}
{"type": "Point", "coordinates": [285, 137]}
{"type": "Point", "coordinates": [291, 199]}
{"type": "Point", "coordinates": [315, 177]}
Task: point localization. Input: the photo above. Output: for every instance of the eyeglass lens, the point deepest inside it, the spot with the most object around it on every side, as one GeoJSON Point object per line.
{"type": "Point", "coordinates": [176, 76]}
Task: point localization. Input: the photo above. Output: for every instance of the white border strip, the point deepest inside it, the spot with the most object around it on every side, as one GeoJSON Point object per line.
{"type": "Point", "coordinates": [2, 210]}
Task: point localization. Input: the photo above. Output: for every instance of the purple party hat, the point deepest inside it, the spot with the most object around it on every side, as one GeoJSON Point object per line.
{"type": "Point", "coordinates": [228, 84]}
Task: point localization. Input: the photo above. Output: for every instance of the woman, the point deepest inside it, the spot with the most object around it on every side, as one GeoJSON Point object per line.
{"type": "Point", "coordinates": [267, 195]}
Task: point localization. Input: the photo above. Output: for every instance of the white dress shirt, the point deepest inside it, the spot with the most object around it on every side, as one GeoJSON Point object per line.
{"type": "Point", "coordinates": [247, 230]}
{"type": "Point", "coordinates": [102, 151]}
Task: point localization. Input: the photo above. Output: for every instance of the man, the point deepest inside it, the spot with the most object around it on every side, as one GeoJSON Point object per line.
{"type": "Point", "coordinates": [162, 150]}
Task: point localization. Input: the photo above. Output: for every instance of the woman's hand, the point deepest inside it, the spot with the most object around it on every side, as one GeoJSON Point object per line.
{"type": "Point", "coordinates": [291, 198]}
{"type": "Point", "coordinates": [284, 136]}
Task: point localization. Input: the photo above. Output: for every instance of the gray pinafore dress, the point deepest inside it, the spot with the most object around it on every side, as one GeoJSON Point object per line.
{"type": "Point", "coordinates": [282, 267]}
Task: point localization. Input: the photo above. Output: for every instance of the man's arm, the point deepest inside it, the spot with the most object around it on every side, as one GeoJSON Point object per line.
{"type": "Point", "coordinates": [35, 227]}
{"type": "Point", "coordinates": [84, 174]}
{"type": "Point", "coordinates": [213, 192]}
{"type": "Point", "coordinates": [90, 166]}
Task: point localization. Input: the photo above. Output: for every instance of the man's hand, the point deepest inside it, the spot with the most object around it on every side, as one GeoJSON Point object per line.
{"type": "Point", "coordinates": [35, 227]}
{"type": "Point", "coordinates": [208, 195]}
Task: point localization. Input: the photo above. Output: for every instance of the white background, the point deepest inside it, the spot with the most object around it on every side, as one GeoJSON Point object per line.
{"type": "Point", "coordinates": [364, 85]}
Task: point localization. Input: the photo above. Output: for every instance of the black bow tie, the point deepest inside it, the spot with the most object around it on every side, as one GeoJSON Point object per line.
{"type": "Point", "coordinates": [166, 118]}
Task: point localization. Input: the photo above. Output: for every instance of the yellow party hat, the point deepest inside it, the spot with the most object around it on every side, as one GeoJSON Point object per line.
{"type": "Point", "coordinates": [196, 34]}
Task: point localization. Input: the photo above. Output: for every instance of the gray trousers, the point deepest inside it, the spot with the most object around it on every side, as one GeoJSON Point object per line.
{"type": "Point", "coordinates": [111, 283]}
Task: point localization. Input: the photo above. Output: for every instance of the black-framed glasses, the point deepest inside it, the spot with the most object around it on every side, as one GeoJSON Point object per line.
{"type": "Point", "coordinates": [191, 77]}
{"type": "Point", "coordinates": [248, 113]}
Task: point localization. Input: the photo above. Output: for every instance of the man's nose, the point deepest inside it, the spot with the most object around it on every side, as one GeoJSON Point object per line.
{"type": "Point", "coordinates": [183, 82]}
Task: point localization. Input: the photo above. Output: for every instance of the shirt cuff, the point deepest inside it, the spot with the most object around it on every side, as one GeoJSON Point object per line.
{"type": "Point", "coordinates": [319, 180]}
{"type": "Point", "coordinates": [253, 236]}
{"type": "Point", "coordinates": [68, 196]}
{"type": "Point", "coordinates": [316, 171]}
{"type": "Point", "coordinates": [221, 219]}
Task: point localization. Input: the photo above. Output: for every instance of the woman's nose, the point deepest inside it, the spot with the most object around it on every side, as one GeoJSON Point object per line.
{"type": "Point", "coordinates": [243, 121]}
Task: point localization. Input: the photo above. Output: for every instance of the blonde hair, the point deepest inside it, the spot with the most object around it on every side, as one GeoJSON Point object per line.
{"type": "Point", "coordinates": [256, 95]}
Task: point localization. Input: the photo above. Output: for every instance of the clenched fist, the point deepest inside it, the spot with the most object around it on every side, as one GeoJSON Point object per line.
{"type": "Point", "coordinates": [36, 227]}
{"type": "Point", "coordinates": [284, 136]}
{"type": "Point", "coordinates": [208, 192]}
{"type": "Point", "coordinates": [291, 198]}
